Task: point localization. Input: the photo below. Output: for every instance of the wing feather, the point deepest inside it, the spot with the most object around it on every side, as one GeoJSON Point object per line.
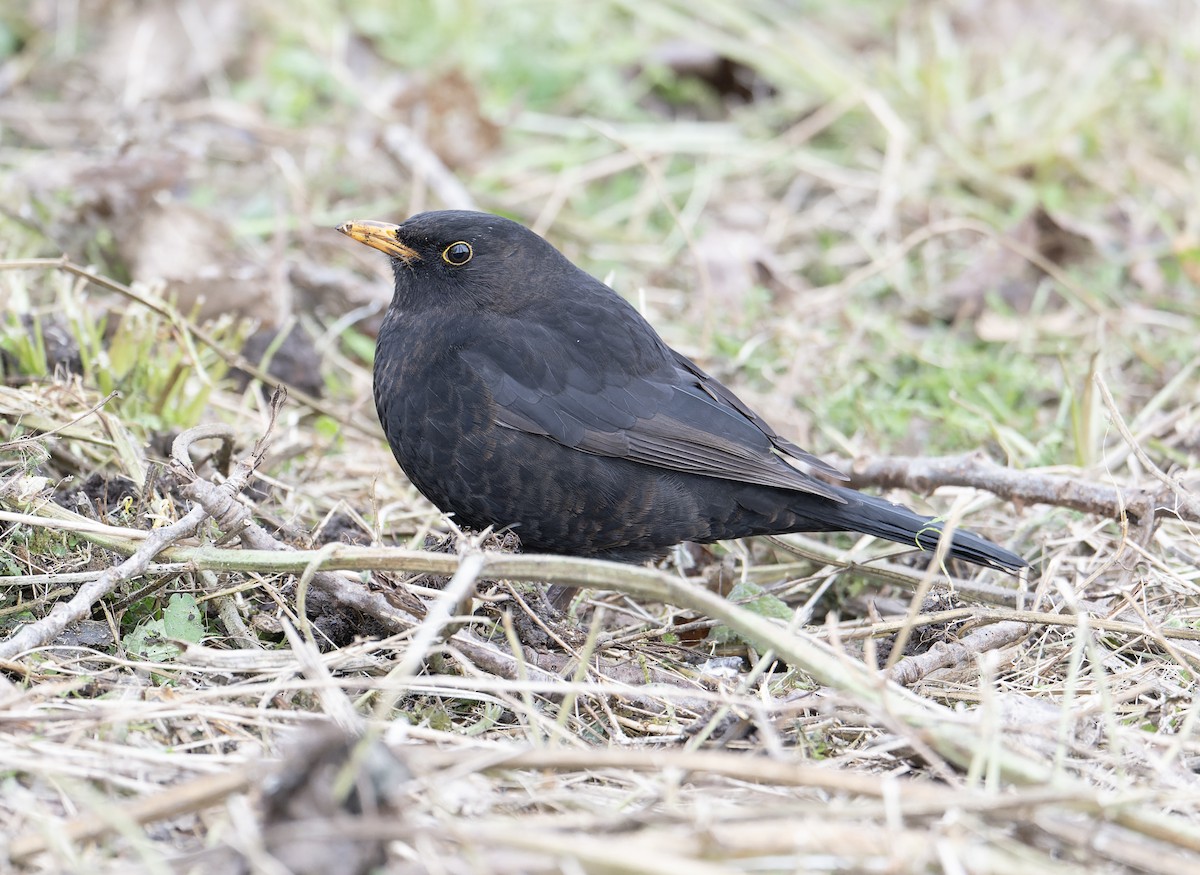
{"type": "Point", "coordinates": [662, 411]}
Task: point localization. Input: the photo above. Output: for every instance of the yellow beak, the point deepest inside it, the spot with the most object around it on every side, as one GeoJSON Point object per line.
{"type": "Point", "coordinates": [381, 236]}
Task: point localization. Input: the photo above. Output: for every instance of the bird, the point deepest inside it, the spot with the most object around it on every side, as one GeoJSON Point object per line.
{"type": "Point", "coordinates": [517, 391]}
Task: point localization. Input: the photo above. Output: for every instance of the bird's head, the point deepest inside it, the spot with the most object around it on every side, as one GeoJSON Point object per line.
{"type": "Point", "coordinates": [462, 257]}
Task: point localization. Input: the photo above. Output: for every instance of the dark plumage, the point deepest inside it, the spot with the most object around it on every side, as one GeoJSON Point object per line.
{"type": "Point", "coordinates": [517, 390]}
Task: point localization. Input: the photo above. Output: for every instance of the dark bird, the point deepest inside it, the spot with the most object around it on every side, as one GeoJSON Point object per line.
{"type": "Point", "coordinates": [517, 391]}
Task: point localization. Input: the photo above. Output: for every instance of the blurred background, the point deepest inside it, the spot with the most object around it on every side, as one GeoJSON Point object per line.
{"type": "Point", "coordinates": [911, 227]}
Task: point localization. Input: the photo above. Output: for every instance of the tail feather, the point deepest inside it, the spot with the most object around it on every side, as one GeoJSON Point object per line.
{"type": "Point", "coordinates": [875, 516]}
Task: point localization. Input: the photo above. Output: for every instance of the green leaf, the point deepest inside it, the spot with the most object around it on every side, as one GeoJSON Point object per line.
{"type": "Point", "coordinates": [149, 642]}
{"type": "Point", "coordinates": [752, 597]}
{"type": "Point", "coordinates": [357, 344]}
{"type": "Point", "coordinates": [327, 427]}
{"type": "Point", "coordinates": [183, 619]}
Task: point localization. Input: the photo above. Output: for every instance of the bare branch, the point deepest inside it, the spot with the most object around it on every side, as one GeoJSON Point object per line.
{"type": "Point", "coordinates": [1023, 487]}
{"type": "Point", "coordinates": [911, 669]}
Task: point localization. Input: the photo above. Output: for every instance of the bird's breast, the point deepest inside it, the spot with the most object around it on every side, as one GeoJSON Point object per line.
{"type": "Point", "coordinates": [435, 412]}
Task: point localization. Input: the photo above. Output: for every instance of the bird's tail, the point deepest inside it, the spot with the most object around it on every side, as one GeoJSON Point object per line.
{"type": "Point", "coordinates": [875, 516]}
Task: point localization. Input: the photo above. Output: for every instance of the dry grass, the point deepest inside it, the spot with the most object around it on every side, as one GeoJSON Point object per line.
{"type": "Point", "coordinates": [932, 229]}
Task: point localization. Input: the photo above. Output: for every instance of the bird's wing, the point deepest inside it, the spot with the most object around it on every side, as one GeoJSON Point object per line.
{"type": "Point", "coordinates": [676, 416]}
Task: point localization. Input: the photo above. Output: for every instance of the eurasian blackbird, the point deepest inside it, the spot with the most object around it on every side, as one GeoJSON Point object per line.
{"type": "Point", "coordinates": [517, 391]}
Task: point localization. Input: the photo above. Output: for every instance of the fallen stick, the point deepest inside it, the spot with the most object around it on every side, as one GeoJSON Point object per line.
{"type": "Point", "coordinates": [975, 470]}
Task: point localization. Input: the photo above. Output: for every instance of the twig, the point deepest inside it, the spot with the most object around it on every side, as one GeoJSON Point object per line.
{"type": "Point", "coordinates": [11, 446]}
{"type": "Point", "coordinates": [439, 614]}
{"type": "Point", "coordinates": [232, 516]}
{"type": "Point", "coordinates": [77, 524]}
{"type": "Point", "coordinates": [1114, 844]}
{"type": "Point", "coordinates": [911, 669]}
{"type": "Point", "coordinates": [346, 591]}
{"type": "Point", "coordinates": [864, 629]}
{"type": "Point", "coordinates": [919, 796]}
{"type": "Point", "coordinates": [402, 144]}
{"type": "Point", "coordinates": [186, 798]}
{"type": "Point", "coordinates": [877, 568]}
{"type": "Point", "coordinates": [181, 449]}
{"type": "Point", "coordinates": [63, 614]}
{"type": "Point", "coordinates": [1024, 487]}
{"type": "Point", "coordinates": [69, 578]}
{"type": "Point", "coordinates": [334, 703]}
{"type": "Point", "coordinates": [1185, 499]}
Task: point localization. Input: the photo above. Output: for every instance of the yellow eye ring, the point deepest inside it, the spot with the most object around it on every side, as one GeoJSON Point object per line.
{"type": "Point", "coordinates": [458, 253]}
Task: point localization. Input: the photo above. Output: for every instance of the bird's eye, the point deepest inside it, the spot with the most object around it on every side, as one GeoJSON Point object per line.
{"type": "Point", "coordinates": [457, 254]}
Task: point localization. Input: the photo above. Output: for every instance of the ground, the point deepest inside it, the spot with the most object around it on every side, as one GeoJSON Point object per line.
{"type": "Point", "coordinates": [952, 247]}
